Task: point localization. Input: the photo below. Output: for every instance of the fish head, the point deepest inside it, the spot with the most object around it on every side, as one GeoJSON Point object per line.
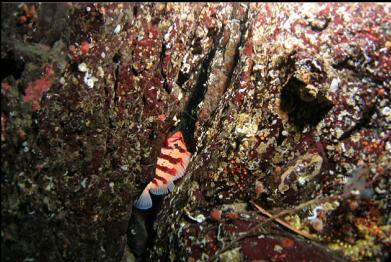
{"type": "Point", "coordinates": [176, 136]}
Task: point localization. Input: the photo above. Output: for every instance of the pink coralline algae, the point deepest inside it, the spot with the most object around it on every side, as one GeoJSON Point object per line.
{"type": "Point", "coordinates": [37, 88]}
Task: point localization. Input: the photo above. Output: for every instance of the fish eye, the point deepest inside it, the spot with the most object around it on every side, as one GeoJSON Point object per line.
{"type": "Point", "coordinates": [176, 145]}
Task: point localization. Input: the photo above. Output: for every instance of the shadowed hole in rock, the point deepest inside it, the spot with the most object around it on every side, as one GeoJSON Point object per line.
{"type": "Point", "coordinates": [11, 66]}
{"type": "Point", "coordinates": [117, 57]}
{"type": "Point", "coordinates": [182, 78]}
{"type": "Point", "coordinates": [280, 137]}
{"type": "Point", "coordinates": [303, 109]}
{"type": "Point", "coordinates": [117, 61]}
{"type": "Point", "coordinates": [135, 10]}
{"type": "Point", "coordinates": [197, 47]}
{"type": "Point", "coordinates": [166, 87]}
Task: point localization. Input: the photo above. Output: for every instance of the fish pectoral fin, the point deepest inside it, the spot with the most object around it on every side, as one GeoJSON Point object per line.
{"type": "Point", "coordinates": [144, 201]}
{"type": "Point", "coordinates": [182, 168]}
{"type": "Point", "coordinates": [163, 188]}
{"type": "Point", "coordinates": [170, 186]}
{"type": "Point", "coordinates": [180, 172]}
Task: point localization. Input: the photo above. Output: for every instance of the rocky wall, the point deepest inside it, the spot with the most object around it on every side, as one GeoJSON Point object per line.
{"type": "Point", "coordinates": [295, 119]}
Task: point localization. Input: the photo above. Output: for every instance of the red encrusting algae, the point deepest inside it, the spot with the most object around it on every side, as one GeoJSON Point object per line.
{"type": "Point", "coordinates": [37, 88]}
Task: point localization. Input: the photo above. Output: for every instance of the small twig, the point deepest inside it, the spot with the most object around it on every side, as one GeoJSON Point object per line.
{"type": "Point", "coordinates": [271, 218]}
{"type": "Point", "coordinates": [316, 201]}
{"type": "Point", "coordinates": [285, 224]}
{"type": "Point", "coordinates": [218, 236]}
{"type": "Point", "coordinates": [230, 244]}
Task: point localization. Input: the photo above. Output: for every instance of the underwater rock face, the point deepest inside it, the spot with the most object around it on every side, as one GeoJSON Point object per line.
{"type": "Point", "coordinates": [295, 119]}
{"type": "Point", "coordinates": [294, 125]}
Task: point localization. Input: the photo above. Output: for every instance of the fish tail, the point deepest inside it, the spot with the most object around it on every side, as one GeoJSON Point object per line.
{"type": "Point", "coordinates": [145, 200]}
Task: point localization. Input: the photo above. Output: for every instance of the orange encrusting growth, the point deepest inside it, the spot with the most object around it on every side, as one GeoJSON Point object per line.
{"type": "Point", "coordinates": [171, 165]}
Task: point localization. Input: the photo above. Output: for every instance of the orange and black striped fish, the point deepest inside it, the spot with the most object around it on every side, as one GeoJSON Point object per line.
{"type": "Point", "coordinates": [171, 165]}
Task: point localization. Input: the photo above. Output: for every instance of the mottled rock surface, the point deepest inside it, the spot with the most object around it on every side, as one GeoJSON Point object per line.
{"type": "Point", "coordinates": [295, 118]}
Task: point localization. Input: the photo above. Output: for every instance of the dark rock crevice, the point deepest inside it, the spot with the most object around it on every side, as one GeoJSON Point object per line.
{"type": "Point", "coordinates": [141, 234]}
{"type": "Point", "coordinates": [190, 113]}
{"type": "Point", "coordinates": [230, 52]}
{"type": "Point", "coordinates": [166, 87]}
{"type": "Point", "coordinates": [244, 29]}
{"type": "Point", "coordinates": [302, 106]}
{"type": "Point", "coordinates": [12, 66]}
{"type": "Point", "coordinates": [363, 122]}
